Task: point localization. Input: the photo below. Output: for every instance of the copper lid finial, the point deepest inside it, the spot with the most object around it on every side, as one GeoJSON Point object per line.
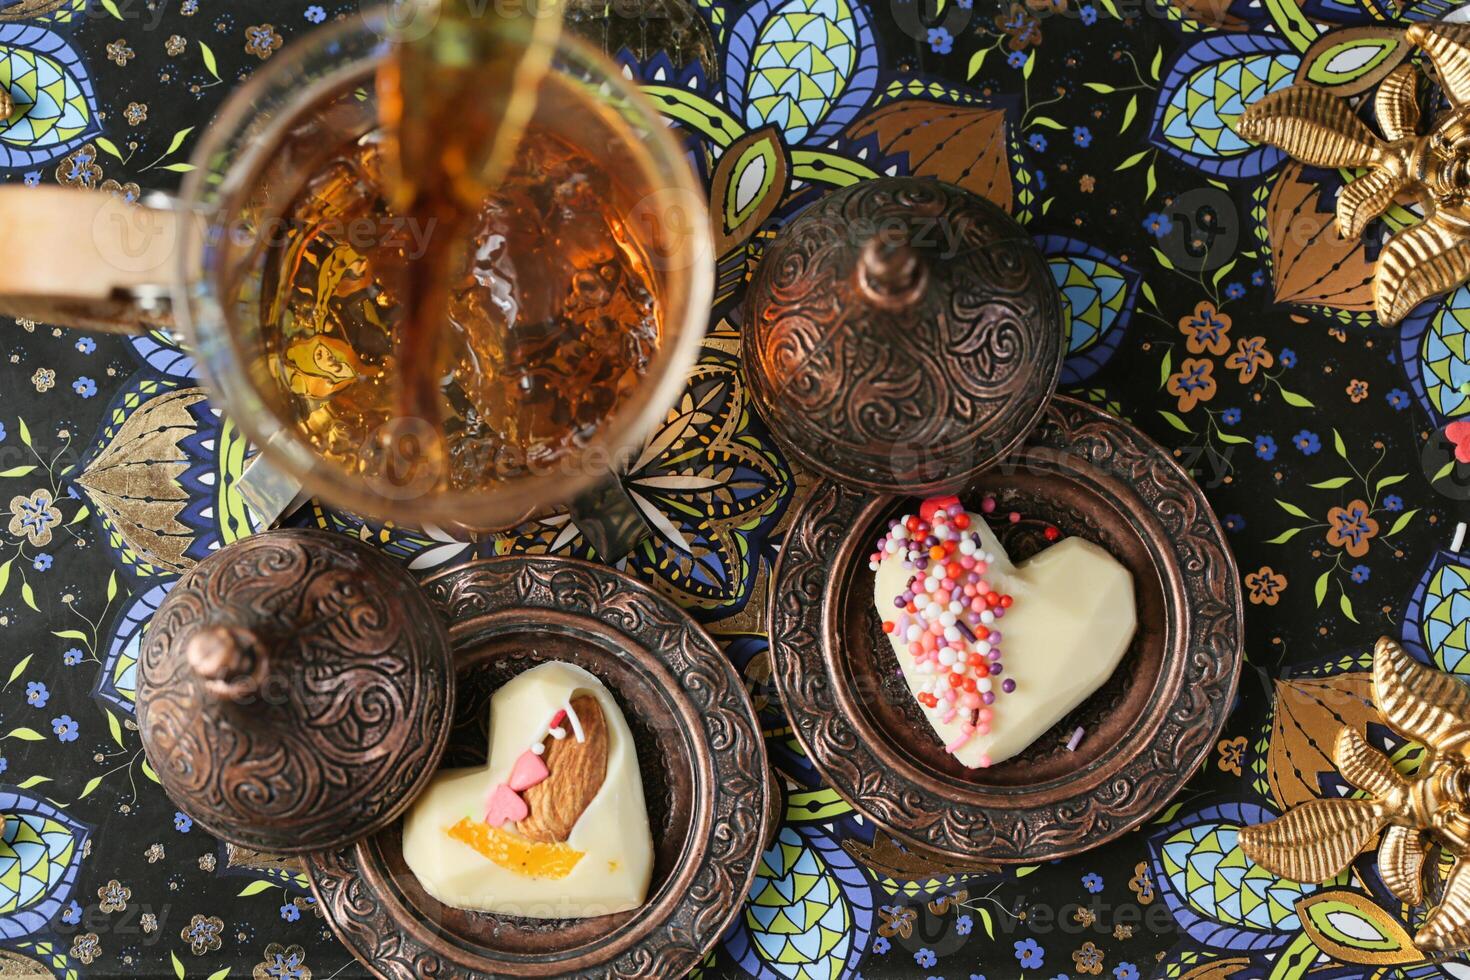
{"type": "Point", "coordinates": [295, 691]}
{"type": "Point", "coordinates": [890, 274]}
{"type": "Point", "coordinates": [229, 660]}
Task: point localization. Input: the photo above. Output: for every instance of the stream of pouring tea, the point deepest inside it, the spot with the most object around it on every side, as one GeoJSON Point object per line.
{"type": "Point", "coordinates": [454, 104]}
{"type": "Point", "coordinates": [460, 298]}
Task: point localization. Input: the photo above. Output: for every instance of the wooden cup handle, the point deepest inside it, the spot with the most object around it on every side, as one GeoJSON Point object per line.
{"type": "Point", "coordinates": [87, 259]}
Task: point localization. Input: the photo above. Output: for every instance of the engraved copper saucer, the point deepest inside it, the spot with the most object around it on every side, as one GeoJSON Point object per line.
{"type": "Point", "coordinates": [1147, 728]}
{"type": "Point", "coordinates": [700, 752]}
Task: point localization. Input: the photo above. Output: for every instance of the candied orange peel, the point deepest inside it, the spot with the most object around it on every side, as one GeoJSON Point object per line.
{"type": "Point", "coordinates": [515, 853]}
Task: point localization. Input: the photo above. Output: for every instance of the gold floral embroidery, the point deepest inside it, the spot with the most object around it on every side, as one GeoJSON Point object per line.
{"type": "Point", "coordinates": [1194, 383]}
{"type": "Point", "coordinates": [1020, 26]}
{"type": "Point", "coordinates": [202, 934]}
{"type": "Point", "coordinates": [262, 41]}
{"type": "Point", "coordinates": [80, 168]}
{"type": "Point", "coordinates": [1250, 356]}
{"type": "Point", "coordinates": [1206, 329]}
{"type": "Point", "coordinates": [1265, 586]}
{"type": "Point", "coordinates": [119, 53]}
{"type": "Point", "coordinates": [1089, 958]}
{"type": "Point", "coordinates": [86, 947]}
{"type": "Point", "coordinates": [949, 903]}
{"type": "Point", "coordinates": [282, 963]}
{"type": "Point", "coordinates": [33, 517]}
{"type": "Point", "coordinates": [1351, 529]}
{"type": "Point", "coordinates": [129, 192]}
{"type": "Point", "coordinates": [114, 896]}
{"type": "Point", "coordinates": [1232, 754]}
{"type": "Point", "coordinates": [896, 921]}
{"type": "Point", "coordinates": [1142, 883]}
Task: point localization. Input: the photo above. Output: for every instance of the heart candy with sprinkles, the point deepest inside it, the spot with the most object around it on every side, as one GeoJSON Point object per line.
{"type": "Point", "coordinates": [947, 614]}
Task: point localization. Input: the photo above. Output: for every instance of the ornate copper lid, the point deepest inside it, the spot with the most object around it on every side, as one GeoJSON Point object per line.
{"type": "Point", "coordinates": [902, 334]}
{"type": "Point", "coordinates": [295, 691]}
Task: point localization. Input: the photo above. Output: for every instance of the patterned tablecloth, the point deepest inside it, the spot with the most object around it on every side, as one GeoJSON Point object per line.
{"type": "Point", "coordinates": [1208, 299]}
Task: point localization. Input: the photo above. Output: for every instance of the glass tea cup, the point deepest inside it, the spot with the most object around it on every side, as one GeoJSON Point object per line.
{"type": "Point", "coordinates": [208, 263]}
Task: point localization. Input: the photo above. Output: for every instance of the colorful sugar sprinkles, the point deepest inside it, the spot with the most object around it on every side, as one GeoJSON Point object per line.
{"type": "Point", "coordinates": [947, 614]}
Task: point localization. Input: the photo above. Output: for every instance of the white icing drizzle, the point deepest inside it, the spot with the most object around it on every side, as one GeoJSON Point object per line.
{"type": "Point", "coordinates": [576, 722]}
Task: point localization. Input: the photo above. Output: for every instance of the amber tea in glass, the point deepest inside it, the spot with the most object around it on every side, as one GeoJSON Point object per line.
{"type": "Point", "coordinates": [558, 288]}
{"type": "Point", "coordinates": [580, 286]}
{"type": "Point", "coordinates": [552, 320]}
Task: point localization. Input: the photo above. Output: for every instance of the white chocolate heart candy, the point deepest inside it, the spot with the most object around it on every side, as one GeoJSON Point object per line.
{"type": "Point", "coordinates": [509, 837]}
{"type": "Point", "coordinates": [1068, 620]}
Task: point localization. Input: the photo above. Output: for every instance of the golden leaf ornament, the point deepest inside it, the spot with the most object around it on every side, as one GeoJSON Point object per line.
{"type": "Point", "coordinates": [1432, 167]}
{"type": "Point", "coordinates": [1316, 840]}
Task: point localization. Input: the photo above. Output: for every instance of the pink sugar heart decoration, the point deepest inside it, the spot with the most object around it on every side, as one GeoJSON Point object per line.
{"type": "Point", "coordinates": [527, 772]}
{"type": "Point", "coordinates": [1459, 434]}
{"type": "Point", "coordinates": [934, 504]}
{"type": "Point", "coordinates": [505, 805]}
